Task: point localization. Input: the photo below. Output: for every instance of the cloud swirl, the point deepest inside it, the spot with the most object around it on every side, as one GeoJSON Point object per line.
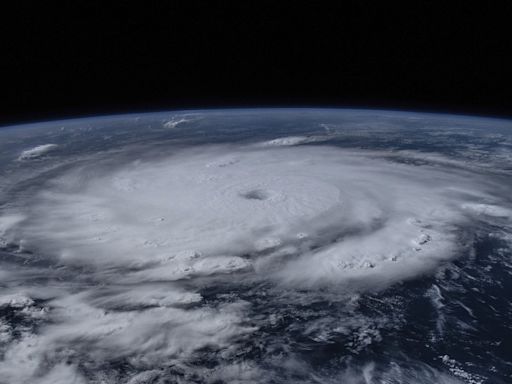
{"type": "Point", "coordinates": [130, 252]}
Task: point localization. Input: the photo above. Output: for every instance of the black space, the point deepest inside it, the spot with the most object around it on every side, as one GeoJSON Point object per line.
{"type": "Point", "coordinates": [84, 57]}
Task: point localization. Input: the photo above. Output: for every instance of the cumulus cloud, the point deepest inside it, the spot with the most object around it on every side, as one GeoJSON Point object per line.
{"type": "Point", "coordinates": [488, 210]}
{"type": "Point", "coordinates": [83, 332]}
{"type": "Point", "coordinates": [63, 374]}
{"type": "Point", "coordinates": [38, 151]}
{"type": "Point", "coordinates": [178, 120]}
{"type": "Point", "coordinates": [173, 123]}
{"type": "Point", "coordinates": [287, 141]}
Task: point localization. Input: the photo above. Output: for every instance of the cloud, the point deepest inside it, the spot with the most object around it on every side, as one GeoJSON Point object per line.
{"type": "Point", "coordinates": [82, 332]}
{"type": "Point", "coordinates": [34, 153]}
{"type": "Point", "coordinates": [342, 214]}
{"type": "Point", "coordinates": [132, 254]}
{"type": "Point", "coordinates": [178, 120]}
{"type": "Point", "coordinates": [173, 123]}
{"type": "Point", "coordinates": [63, 374]}
{"type": "Point", "coordinates": [488, 210]}
{"type": "Point", "coordinates": [286, 141]}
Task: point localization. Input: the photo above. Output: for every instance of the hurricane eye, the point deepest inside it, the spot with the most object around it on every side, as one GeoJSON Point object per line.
{"type": "Point", "coordinates": [255, 194]}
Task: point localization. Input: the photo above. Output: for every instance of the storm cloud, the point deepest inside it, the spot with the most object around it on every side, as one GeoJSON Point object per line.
{"type": "Point", "coordinates": [126, 249]}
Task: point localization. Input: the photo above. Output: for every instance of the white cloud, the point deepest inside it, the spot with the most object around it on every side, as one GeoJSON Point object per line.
{"type": "Point", "coordinates": [364, 216]}
{"type": "Point", "coordinates": [488, 210]}
{"type": "Point", "coordinates": [15, 300]}
{"type": "Point", "coordinates": [289, 141]}
{"type": "Point", "coordinates": [36, 152]}
{"type": "Point", "coordinates": [62, 374]}
{"type": "Point", "coordinates": [286, 141]}
{"type": "Point", "coordinates": [133, 247]}
{"type": "Point", "coordinates": [178, 120]}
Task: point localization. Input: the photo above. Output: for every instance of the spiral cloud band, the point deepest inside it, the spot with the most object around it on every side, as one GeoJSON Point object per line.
{"type": "Point", "coordinates": [303, 216]}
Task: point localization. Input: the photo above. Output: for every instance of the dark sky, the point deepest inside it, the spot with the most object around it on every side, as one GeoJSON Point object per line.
{"type": "Point", "coordinates": [86, 57]}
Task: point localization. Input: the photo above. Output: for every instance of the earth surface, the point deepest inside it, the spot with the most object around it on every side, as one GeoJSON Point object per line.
{"type": "Point", "coordinates": [257, 246]}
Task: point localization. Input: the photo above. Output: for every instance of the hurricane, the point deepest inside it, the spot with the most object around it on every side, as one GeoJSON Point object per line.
{"type": "Point", "coordinates": [208, 247]}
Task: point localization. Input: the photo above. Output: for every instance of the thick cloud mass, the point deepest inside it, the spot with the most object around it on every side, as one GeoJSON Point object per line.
{"type": "Point", "coordinates": [307, 216]}
{"type": "Point", "coordinates": [134, 257]}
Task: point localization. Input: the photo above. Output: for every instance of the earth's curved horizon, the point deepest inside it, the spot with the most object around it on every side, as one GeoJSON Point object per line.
{"type": "Point", "coordinates": [263, 245]}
